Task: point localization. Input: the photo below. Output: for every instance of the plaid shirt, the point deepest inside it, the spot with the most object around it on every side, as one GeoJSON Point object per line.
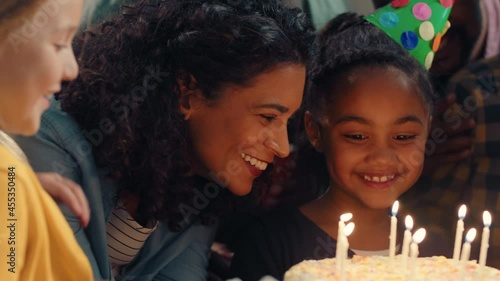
{"type": "Point", "coordinates": [476, 180]}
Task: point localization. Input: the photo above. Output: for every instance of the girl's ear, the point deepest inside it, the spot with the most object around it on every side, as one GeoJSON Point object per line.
{"type": "Point", "coordinates": [190, 95]}
{"type": "Point", "coordinates": [313, 131]}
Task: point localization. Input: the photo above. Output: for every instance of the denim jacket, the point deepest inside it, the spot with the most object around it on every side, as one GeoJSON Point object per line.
{"type": "Point", "coordinates": [62, 146]}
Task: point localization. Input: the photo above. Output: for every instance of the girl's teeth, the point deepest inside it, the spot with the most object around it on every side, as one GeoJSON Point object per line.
{"type": "Point", "coordinates": [379, 179]}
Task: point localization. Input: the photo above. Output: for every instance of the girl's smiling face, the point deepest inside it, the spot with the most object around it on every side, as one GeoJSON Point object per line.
{"type": "Point", "coordinates": [373, 137]}
{"type": "Point", "coordinates": [35, 58]}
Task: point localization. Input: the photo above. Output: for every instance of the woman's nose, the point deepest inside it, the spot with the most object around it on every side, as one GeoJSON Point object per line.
{"type": "Point", "coordinates": [278, 150]}
{"type": "Point", "coordinates": [279, 143]}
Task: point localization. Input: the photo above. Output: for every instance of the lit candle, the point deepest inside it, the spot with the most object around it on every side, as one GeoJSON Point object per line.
{"type": "Point", "coordinates": [418, 237]}
{"type": "Point", "coordinates": [406, 241]}
{"type": "Point", "coordinates": [340, 233]}
{"type": "Point", "coordinates": [471, 234]}
{"type": "Point", "coordinates": [392, 236]}
{"type": "Point", "coordinates": [460, 231]}
{"type": "Point", "coordinates": [349, 228]}
{"type": "Point", "coordinates": [486, 236]}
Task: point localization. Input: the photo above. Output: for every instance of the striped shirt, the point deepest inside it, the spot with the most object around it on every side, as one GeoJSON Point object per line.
{"type": "Point", "coordinates": [125, 237]}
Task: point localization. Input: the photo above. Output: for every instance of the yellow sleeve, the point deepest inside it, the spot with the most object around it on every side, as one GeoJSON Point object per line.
{"type": "Point", "coordinates": [36, 242]}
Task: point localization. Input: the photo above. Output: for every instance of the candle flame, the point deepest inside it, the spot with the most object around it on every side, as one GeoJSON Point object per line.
{"type": "Point", "coordinates": [346, 217]}
{"type": "Point", "coordinates": [419, 235]}
{"type": "Point", "coordinates": [471, 234]}
{"type": "Point", "coordinates": [349, 228]}
{"type": "Point", "coordinates": [395, 208]}
{"type": "Point", "coordinates": [409, 222]}
{"type": "Point", "coordinates": [486, 218]}
{"type": "Point", "coordinates": [462, 211]}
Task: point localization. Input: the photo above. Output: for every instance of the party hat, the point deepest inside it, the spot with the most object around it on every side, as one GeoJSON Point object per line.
{"type": "Point", "coordinates": [418, 25]}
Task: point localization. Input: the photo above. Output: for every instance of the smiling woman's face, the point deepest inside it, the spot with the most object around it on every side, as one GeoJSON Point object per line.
{"type": "Point", "coordinates": [35, 58]}
{"type": "Point", "coordinates": [235, 137]}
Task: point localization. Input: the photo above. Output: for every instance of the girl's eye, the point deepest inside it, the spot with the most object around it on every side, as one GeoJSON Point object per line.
{"type": "Point", "coordinates": [405, 137]}
{"type": "Point", "coordinates": [356, 137]}
{"type": "Point", "coordinates": [268, 118]}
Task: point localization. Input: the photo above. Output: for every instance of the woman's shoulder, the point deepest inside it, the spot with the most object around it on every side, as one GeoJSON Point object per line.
{"type": "Point", "coordinates": [56, 122]}
{"type": "Point", "coordinates": [59, 135]}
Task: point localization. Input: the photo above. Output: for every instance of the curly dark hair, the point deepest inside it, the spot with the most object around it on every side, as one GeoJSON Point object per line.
{"type": "Point", "coordinates": [349, 43]}
{"type": "Point", "coordinates": [345, 45]}
{"type": "Point", "coordinates": [129, 68]}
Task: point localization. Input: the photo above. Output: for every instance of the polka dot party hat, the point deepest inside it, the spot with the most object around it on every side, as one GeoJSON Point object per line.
{"type": "Point", "coordinates": [418, 25]}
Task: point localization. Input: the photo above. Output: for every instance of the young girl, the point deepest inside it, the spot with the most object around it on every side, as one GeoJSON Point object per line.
{"type": "Point", "coordinates": [368, 110]}
{"type": "Point", "coordinates": [36, 242]}
{"type": "Point", "coordinates": [175, 100]}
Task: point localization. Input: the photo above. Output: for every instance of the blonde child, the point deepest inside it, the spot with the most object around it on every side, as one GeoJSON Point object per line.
{"type": "Point", "coordinates": [36, 243]}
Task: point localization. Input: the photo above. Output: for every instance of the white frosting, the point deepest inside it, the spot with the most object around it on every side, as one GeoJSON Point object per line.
{"type": "Point", "coordinates": [376, 268]}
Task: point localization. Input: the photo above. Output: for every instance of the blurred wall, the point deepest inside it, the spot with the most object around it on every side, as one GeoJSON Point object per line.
{"type": "Point", "coordinates": [363, 7]}
{"type": "Point", "coordinates": [322, 11]}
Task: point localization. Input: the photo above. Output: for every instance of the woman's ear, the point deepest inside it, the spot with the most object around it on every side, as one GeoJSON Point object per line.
{"type": "Point", "coordinates": [313, 131]}
{"type": "Point", "coordinates": [190, 95]}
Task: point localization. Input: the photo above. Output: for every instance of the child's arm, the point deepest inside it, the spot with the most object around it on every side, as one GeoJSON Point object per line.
{"type": "Point", "coordinates": [67, 192]}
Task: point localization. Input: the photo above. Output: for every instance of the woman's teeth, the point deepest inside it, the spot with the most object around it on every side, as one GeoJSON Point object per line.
{"type": "Point", "coordinates": [254, 162]}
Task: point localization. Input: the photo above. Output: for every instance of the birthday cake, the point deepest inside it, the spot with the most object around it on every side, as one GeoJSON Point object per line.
{"type": "Point", "coordinates": [381, 268]}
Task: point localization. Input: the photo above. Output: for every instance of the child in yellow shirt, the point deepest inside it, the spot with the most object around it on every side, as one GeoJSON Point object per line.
{"type": "Point", "coordinates": [36, 243]}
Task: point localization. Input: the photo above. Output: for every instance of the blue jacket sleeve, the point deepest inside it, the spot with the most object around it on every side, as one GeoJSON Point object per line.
{"type": "Point", "coordinates": [168, 256]}
{"type": "Point", "coordinates": [46, 153]}
{"type": "Point", "coordinates": [190, 265]}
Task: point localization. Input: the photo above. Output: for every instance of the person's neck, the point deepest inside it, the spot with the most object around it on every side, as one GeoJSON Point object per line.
{"type": "Point", "coordinates": [372, 226]}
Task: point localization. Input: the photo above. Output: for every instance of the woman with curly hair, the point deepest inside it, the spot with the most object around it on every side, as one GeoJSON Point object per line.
{"type": "Point", "coordinates": [36, 243]}
{"type": "Point", "coordinates": [176, 103]}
